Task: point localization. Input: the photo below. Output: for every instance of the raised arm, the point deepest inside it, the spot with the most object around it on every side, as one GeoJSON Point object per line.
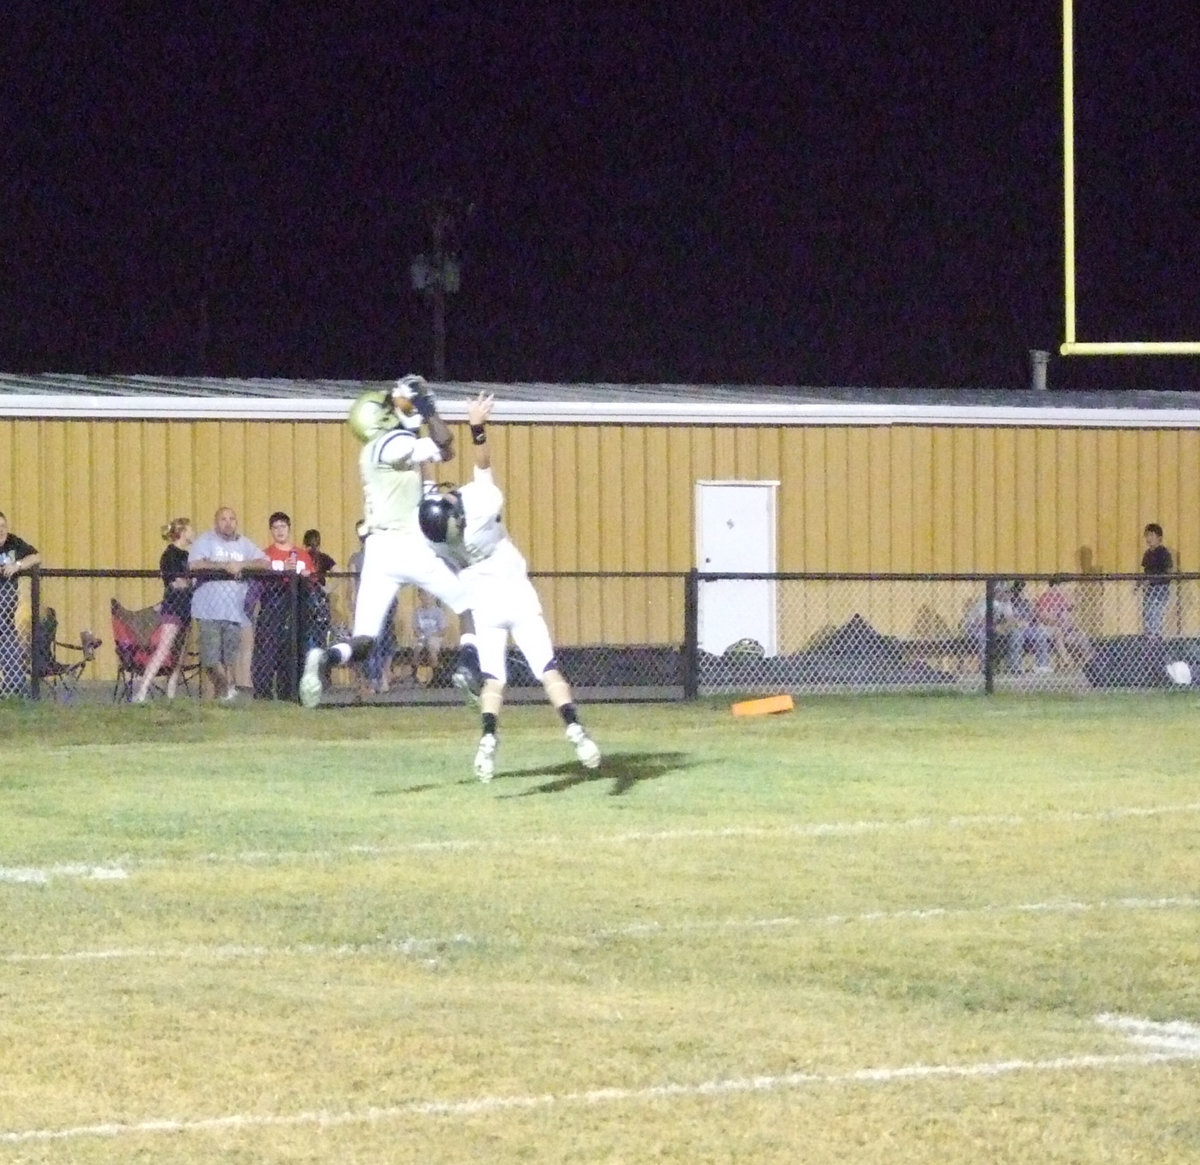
{"type": "Point", "coordinates": [478, 412]}
{"type": "Point", "coordinates": [425, 403]}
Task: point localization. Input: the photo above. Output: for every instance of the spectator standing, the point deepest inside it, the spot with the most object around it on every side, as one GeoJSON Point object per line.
{"type": "Point", "coordinates": [175, 610]}
{"type": "Point", "coordinates": [322, 563]}
{"type": "Point", "coordinates": [16, 557]}
{"type": "Point", "coordinates": [280, 629]}
{"type": "Point", "coordinates": [219, 604]}
{"type": "Point", "coordinates": [429, 633]}
{"type": "Point", "coordinates": [1157, 564]}
{"type": "Point", "coordinates": [319, 613]}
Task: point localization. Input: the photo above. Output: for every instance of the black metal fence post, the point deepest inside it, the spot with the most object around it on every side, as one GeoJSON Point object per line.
{"type": "Point", "coordinates": [989, 636]}
{"type": "Point", "coordinates": [35, 618]}
{"type": "Point", "coordinates": [293, 639]}
{"type": "Point", "coordinates": [691, 634]}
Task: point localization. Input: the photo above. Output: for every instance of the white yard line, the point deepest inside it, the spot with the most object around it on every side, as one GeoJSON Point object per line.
{"type": "Point", "coordinates": [1179, 1043]}
{"type": "Point", "coordinates": [230, 951]}
{"type": "Point", "coordinates": [120, 868]}
{"type": "Point", "coordinates": [39, 876]}
{"type": "Point", "coordinates": [413, 946]}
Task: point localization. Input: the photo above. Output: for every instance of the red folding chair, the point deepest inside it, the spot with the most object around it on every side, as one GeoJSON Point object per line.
{"type": "Point", "coordinates": [136, 636]}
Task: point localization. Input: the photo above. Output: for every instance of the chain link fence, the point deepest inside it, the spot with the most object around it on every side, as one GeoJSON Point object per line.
{"type": "Point", "coordinates": [664, 636]}
{"type": "Point", "coordinates": [860, 633]}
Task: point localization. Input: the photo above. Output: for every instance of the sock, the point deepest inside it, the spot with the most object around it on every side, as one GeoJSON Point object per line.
{"type": "Point", "coordinates": [567, 712]}
{"type": "Point", "coordinates": [489, 723]}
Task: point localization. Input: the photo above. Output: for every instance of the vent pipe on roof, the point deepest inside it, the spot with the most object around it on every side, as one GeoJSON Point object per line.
{"type": "Point", "coordinates": [1038, 360]}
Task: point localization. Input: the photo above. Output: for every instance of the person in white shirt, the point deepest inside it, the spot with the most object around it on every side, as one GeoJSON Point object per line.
{"type": "Point", "coordinates": [464, 526]}
{"type": "Point", "coordinates": [219, 604]}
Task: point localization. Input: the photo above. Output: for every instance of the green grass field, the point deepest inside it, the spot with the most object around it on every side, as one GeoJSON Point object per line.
{"type": "Point", "coordinates": [892, 930]}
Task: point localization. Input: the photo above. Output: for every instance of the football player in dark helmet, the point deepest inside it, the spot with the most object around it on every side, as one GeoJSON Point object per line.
{"type": "Point", "coordinates": [463, 525]}
{"type": "Point", "coordinates": [388, 422]}
{"type": "Point", "coordinates": [441, 516]}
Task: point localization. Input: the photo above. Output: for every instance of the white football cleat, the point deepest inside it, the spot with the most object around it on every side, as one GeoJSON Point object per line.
{"type": "Point", "coordinates": [485, 757]}
{"type": "Point", "coordinates": [586, 748]}
{"type": "Point", "coordinates": [312, 682]}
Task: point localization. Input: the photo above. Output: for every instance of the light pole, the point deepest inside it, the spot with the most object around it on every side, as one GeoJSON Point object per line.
{"type": "Point", "coordinates": [437, 274]}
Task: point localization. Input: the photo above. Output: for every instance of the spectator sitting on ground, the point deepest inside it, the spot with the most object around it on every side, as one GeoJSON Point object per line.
{"type": "Point", "coordinates": [1055, 611]}
{"type": "Point", "coordinates": [1026, 633]}
{"type": "Point", "coordinates": [974, 622]}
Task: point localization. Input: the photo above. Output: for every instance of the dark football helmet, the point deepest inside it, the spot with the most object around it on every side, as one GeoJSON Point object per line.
{"type": "Point", "coordinates": [440, 515]}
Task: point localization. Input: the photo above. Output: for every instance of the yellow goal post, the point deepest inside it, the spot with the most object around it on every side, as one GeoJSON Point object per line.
{"type": "Point", "coordinates": [1071, 345]}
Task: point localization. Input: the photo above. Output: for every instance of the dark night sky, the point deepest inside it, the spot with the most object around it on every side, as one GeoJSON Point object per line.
{"type": "Point", "coordinates": [839, 193]}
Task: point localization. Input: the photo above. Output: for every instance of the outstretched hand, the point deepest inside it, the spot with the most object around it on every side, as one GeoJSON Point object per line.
{"type": "Point", "coordinates": [480, 408]}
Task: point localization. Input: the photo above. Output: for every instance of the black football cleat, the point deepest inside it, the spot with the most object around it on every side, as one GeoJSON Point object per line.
{"type": "Point", "coordinates": [467, 677]}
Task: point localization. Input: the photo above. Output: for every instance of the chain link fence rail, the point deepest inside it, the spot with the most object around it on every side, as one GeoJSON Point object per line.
{"type": "Point", "coordinates": [660, 636]}
{"type": "Point", "coordinates": [861, 633]}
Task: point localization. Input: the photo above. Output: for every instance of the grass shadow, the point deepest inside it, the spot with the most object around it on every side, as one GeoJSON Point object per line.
{"type": "Point", "coordinates": [623, 769]}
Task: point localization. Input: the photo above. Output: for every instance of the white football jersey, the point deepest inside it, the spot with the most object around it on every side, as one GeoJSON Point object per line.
{"type": "Point", "coordinates": [391, 479]}
{"type": "Point", "coordinates": [482, 530]}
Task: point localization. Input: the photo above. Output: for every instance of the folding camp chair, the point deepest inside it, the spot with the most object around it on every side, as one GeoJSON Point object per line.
{"type": "Point", "coordinates": [136, 636]}
{"type": "Point", "coordinates": [60, 676]}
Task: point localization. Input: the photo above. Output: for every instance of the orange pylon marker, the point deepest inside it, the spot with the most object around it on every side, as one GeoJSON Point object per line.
{"type": "Point", "coordinates": [763, 707]}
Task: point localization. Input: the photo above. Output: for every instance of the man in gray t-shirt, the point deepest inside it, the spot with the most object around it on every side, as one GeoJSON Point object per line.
{"type": "Point", "coordinates": [219, 605]}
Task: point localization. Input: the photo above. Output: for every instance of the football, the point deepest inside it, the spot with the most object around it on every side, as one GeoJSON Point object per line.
{"type": "Point", "coordinates": [1179, 673]}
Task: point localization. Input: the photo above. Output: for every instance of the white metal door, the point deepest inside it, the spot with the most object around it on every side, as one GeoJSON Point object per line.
{"type": "Point", "coordinates": [735, 534]}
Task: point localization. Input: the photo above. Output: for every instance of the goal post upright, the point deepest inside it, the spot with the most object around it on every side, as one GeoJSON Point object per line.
{"type": "Point", "coordinates": [1071, 346]}
{"type": "Point", "coordinates": [1069, 170]}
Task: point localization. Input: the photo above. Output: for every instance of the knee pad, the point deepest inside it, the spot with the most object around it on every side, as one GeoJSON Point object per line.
{"type": "Point", "coordinates": [558, 691]}
{"type": "Point", "coordinates": [491, 699]}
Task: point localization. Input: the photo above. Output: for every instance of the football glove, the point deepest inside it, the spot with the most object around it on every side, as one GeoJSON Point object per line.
{"type": "Point", "coordinates": [416, 390]}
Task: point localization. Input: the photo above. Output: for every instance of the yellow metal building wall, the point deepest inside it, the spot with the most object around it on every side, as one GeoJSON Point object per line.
{"type": "Point", "coordinates": [95, 494]}
{"type": "Point", "coordinates": [877, 499]}
{"type": "Point", "coordinates": [617, 498]}
{"type": "Point", "coordinates": [883, 499]}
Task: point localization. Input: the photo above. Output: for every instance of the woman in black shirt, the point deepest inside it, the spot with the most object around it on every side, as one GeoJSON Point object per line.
{"type": "Point", "coordinates": [175, 610]}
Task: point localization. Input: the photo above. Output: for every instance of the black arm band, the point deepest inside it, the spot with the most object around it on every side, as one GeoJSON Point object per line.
{"type": "Point", "coordinates": [478, 435]}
